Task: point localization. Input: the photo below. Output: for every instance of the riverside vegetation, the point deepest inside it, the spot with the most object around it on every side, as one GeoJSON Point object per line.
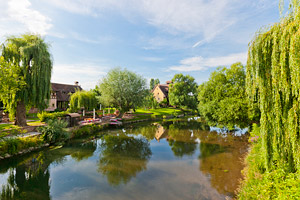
{"type": "Point", "coordinates": [273, 84]}
{"type": "Point", "coordinates": [264, 96]}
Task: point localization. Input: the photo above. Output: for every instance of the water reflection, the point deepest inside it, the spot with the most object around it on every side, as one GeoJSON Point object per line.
{"type": "Point", "coordinates": [181, 141]}
{"type": "Point", "coordinates": [221, 159]}
{"type": "Point", "coordinates": [179, 160]}
{"type": "Point", "coordinates": [29, 180]}
{"type": "Point", "coordinates": [122, 157]}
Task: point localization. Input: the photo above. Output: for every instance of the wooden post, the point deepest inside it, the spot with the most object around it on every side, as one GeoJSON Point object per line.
{"type": "Point", "coordinates": [83, 113]}
{"type": "Point", "coordinates": [94, 114]}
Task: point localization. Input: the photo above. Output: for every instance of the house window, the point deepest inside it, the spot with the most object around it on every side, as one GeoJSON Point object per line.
{"type": "Point", "coordinates": [53, 105]}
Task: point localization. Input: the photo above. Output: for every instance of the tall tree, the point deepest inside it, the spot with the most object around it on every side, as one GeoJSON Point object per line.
{"type": "Point", "coordinates": [156, 81]}
{"type": "Point", "coordinates": [31, 54]}
{"type": "Point", "coordinates": [222, 99]}
{"type": "Point", "coordinates": [11, 82]}
{"type": "Point", "coordinates": [273, 80]}
{"type": "Point", "coordinates": [83, 99]}
{"type": "Point", "coordinates": [183, 91]}
{"type": "Point", "coordinates": [152, 84]}
{"type": "Point", "coordinates": [123, 89]}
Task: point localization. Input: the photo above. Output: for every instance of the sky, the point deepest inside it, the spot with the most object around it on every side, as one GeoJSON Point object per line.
{"type": "Point", "coordinates": [154, 38]}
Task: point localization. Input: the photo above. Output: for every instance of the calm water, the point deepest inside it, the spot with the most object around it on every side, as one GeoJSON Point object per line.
{"type": "Point", "coordinates": [171, 160]}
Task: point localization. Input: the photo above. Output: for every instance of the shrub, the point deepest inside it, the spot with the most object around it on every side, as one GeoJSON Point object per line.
{"type": "Point", "coordinates": [88, 130]}
{"type": "Point", "coordinates": [45, 116]}
{"type": "Point", "coordinates": [54, 131]}
{"type": "Point", "coordinates": [15, 145]}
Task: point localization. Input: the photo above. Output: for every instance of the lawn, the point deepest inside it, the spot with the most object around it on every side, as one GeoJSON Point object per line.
{"type": "Point", "coordinates": [160, 111]}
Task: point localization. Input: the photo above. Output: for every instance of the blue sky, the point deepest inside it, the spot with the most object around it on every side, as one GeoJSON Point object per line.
{"type": "Point", "coordinates": [154, 38]}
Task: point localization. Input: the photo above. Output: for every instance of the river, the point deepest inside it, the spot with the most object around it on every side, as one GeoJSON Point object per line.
{"type": "Point", "coordinates": [164, 160]}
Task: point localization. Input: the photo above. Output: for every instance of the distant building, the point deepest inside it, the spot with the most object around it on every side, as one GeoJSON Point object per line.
{"type": "Point", "coordinates": [60, 95]}
{"type": "Point", "coordinates": [161, 91]}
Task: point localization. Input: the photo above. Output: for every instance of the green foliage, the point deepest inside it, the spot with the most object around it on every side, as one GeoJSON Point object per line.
{"type": "Point", "coordinates": [83, 99]}
{"type": "Point", "coordinates": [183, 92]}
{"type": "Point", "coordinates": [152, 84]}
{"type": "Point", "coordinates": [150, 101]}
{"type": "Point", "coordinates": [156, 81]}
{"type": "Point", "coordinates": [11, 83]}
{"type": "Point", "coordinates": [45, 116]}
{"type": "Point", "coordinates": [164, 103]}
{"type": "Point", "coordinates": [261, 184]}
{"type": "Point", "coordinates": [122, 89]}
{"type": "Point", "coordinates": [88, 130]}
{"type": "Point", "coordinates": [15, 145]}
{"type": "Point", "coordinates": [30, 55]}
{"type": "Point", "coordinates": [273, 80]}
{"type": "Point", "coordinates": [54, 131]}
{"type": "Point", "coordinates": [273, 83]}
{"type": "Point", "coordinates": [223, 100]}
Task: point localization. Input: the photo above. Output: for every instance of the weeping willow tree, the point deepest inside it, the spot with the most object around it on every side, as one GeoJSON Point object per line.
{"type": "Point", "coordinates": [83, 99]}
{"type": "Point", "coordinates": [273, 82]}
{"type": "Point", "coordinates": [30, 53]}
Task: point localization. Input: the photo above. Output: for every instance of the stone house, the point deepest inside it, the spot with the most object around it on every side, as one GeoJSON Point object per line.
{"type": "Point", "coordinates": [161, 91]}
{"type": "Point", "coordinates": [60, 95]}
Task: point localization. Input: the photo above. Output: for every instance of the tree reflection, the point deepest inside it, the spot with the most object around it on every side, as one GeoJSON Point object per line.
{"type": "Point", "coordinates": [29, 180]}
{"type": "Point", "coordinates": [181, 141]}
{"type": "Point", "coordinates": [219, 158]}
{"type": "Point", "coordinates": [208, 149]}
{"type": "Point", "coordinates": [122, 157]}
{"type": "Point", "coordinates": [29, 175]}
{"type": "Point", "coordinates": [81, 151]}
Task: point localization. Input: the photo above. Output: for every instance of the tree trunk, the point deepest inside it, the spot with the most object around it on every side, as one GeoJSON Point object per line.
{"type": "Point", "coordinates": [21, 114]}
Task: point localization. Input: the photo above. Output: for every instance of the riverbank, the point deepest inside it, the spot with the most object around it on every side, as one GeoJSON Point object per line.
{"type": "Point", "coordinates": [17, 142]}
{"type": "Point", "coordinates": [259, 183]}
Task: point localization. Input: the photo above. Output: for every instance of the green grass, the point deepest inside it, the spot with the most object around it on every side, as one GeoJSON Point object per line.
{"type": "Point", "coordinates": [160, 111]}
{"type": "Point", "coordinates": [7, 126]}
{"type": "Point", "coordinates": [278, 183]}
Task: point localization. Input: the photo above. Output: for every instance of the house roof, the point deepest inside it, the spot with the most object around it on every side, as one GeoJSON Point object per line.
{"type": "Point", "coordinates": [63, 90]}
{"type": "Point", "coordinates": [164, 88]}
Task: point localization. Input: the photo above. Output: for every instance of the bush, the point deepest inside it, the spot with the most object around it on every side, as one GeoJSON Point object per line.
{"type": "Point", "coordinates": [45, 116]}
{"type": "Point", "coordinates": [88, 130]}
{"type": "Point", "coordinates": [15, 145]}
{"type": "Point", "coordinates": [54, 131]}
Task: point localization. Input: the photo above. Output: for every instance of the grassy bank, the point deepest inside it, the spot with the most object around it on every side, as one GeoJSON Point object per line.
{"type": "Point", "coordinates": [13, 145]}
{"type": "Point", "coordinates": [262, 184]}
{"type": "Point", "coordinates": [160, 113]}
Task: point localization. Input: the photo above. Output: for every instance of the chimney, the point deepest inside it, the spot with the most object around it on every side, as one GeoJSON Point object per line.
{"type": "Point", "coordinates": [76, 83]}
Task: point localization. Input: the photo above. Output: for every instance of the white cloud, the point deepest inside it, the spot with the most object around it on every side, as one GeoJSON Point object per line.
{"type": "Point", "coordinates": [190, 17]}
{"type": "Point", "coordinates": [87, 75]}
{"type": "Point", "coordinates": [199, 63]}
{"type": "Point", "coordinates": [17, 16]}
